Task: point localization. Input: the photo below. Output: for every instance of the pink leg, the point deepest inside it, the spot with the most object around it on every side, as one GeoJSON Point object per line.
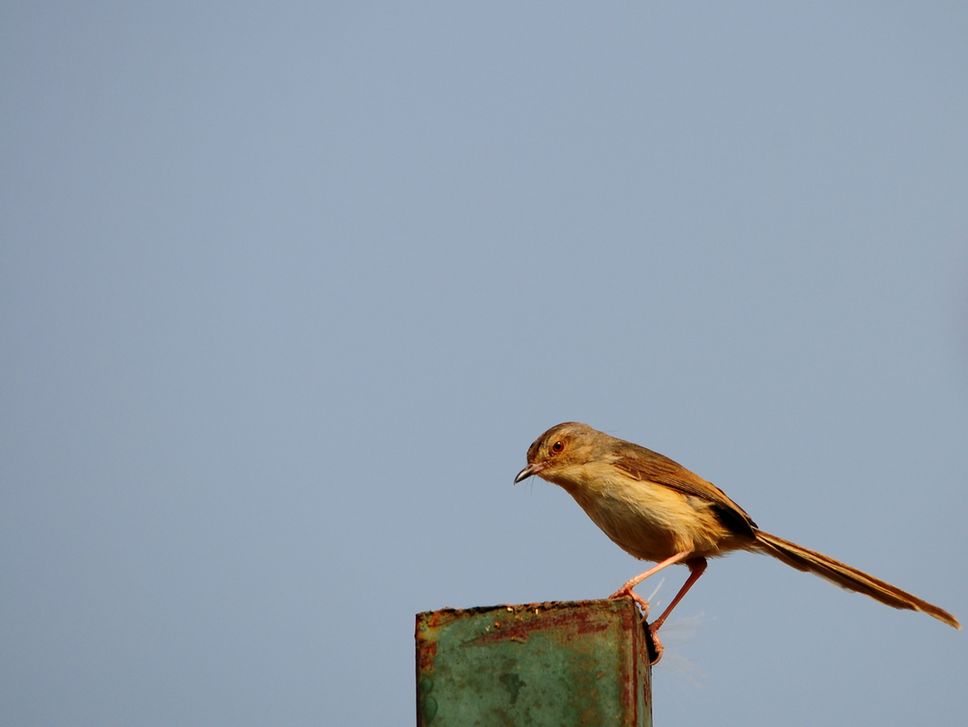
{"type": "Point", "coordinates": [696, 568]}
{"type": "Point", "coordinates": [626, 590]}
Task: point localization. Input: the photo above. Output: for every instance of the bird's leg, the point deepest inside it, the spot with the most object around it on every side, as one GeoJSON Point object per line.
{"type": "Point", "coordinates": [696, 567]}
{"type": "Point", "coordinates": [626, 590]}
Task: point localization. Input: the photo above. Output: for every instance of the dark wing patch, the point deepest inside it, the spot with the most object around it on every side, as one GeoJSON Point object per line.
{"type": "Point", "coordinates": [648, 466]}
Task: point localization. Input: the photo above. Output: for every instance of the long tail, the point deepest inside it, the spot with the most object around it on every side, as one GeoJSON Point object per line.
{"type": "Point", "coordinates": [847, 576]}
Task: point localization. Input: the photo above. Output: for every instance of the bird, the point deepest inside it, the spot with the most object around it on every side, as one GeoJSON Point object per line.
{"type": "Point", "coordinates": [657, 510]}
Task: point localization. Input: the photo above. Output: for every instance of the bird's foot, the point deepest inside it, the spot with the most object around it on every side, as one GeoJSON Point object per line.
{"type": "Point", "coordinates": [627, 592]}
{"type": "Point", "coordinates": [655, 645]}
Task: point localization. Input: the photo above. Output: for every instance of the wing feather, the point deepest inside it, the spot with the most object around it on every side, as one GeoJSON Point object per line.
{"type": "Point", "coordinates": [647, 466]}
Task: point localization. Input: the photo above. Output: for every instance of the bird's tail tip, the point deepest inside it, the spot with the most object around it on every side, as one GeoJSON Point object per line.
{"type": "Point", "coordinates": [846, 576]}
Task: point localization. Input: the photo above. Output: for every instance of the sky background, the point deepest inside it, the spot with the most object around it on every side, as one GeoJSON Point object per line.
{"type": "Point", "coordinates": [287, 290]}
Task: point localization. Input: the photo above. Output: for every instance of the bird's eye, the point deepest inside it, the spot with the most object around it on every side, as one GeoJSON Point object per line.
{"type": "Point", "coordinates": [557, 447]}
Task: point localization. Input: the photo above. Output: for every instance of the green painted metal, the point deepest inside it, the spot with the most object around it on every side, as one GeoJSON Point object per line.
{"type": "Point", "coordinates": [557, 663]}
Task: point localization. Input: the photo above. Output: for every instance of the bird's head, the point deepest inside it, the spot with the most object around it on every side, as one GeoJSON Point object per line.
{"type": "Point", "coordinates": [559, 454]}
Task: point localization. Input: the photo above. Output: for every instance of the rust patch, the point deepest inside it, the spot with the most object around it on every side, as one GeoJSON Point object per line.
{"type": "Point", "coordinates": [426, 654]}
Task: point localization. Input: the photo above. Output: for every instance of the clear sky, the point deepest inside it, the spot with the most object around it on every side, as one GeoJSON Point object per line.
{"type": "Point", "coordinates": [287, 290]}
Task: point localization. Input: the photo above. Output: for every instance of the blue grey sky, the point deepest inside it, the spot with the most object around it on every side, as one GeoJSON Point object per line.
{"type": "Point", "coordinates": [286, 291]}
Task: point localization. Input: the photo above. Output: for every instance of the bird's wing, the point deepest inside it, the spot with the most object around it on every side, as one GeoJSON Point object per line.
{"type": "Point", "coordinates": [648, 466]}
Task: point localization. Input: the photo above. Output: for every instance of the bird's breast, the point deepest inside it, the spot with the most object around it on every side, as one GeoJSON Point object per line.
{"type": "Point", "coordinates": [646, 519]}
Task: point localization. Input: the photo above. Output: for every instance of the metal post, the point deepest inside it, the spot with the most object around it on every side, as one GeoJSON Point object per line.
{"type": "Point", "coordinates": [556, 663]}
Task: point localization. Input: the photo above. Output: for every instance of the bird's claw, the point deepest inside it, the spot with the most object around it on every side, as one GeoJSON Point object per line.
{"type": "Point", "coordinates": [625, 592]}
{"type": "Point", "coordinates": [656, 646]}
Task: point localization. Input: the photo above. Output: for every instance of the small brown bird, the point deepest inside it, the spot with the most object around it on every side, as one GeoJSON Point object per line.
{"type": "Point", "coordinates": [656, 509]}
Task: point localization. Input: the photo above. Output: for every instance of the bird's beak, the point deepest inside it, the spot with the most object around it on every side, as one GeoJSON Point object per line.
{"type": "Point", "coordinates": [531, 469]}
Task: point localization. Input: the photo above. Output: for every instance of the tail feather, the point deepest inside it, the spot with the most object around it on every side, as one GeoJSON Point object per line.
{"type": "Point", "coordinates": [847, 576]}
